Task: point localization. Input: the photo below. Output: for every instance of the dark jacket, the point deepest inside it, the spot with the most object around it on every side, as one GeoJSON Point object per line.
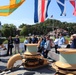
{"type": "Point", "coordinates": [16, 40]}
{"type": "Point", "coordinates": [10, 43]}
{"type": "Point", "coordinates": [73, 45]}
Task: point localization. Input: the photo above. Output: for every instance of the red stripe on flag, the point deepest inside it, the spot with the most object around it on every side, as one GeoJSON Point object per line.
{"type": "Point", "coordinates": [42, 10]}
{"type": "Point", "coordinates": [73, 3]}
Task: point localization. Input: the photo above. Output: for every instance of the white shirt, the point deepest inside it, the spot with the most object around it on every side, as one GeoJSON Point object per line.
{"type": "Point", "coordinates": [56, 41]}
{"type": "Point", "coordinates": [26, 42]}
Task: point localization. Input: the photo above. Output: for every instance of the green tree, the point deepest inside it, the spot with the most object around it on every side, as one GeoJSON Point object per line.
{"type": "Point", "coordinates": [8, 29]}
{"type": "Point", "coordinates": [23, 32]}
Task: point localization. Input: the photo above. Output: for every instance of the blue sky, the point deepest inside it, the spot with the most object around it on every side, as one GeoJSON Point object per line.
{"type": "Point", "coordinates": [25, 13]}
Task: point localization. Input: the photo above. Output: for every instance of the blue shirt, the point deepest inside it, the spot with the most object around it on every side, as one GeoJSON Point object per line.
{"type": "Point", "coordinates": [26, 42]}
{"type": "Point", "coordinates": [61, 41]}
{"type": "Point", "coordinates": [47, 45]}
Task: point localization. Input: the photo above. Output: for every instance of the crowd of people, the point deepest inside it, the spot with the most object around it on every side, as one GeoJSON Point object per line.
{"type": "Point", "coordinates": [45, 43]}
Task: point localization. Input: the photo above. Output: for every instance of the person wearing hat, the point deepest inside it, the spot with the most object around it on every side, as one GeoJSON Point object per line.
{"type": "Point", "coordinates": [73, 38]}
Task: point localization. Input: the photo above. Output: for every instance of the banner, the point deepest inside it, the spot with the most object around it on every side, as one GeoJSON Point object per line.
{"type": "Point", "coordinates": [61, 4]}
{"type": "Point", "coordinates": [40, 10]}
{"type": "Point", "coordinates": [7, 10]}
{"type": "Point", "coordinates": [73, 2]}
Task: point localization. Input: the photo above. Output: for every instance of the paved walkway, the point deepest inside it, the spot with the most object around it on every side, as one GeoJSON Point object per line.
{"type": "Point", "coordinates": [46, 70]}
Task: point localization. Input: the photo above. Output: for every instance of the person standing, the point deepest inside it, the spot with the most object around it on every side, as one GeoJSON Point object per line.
{"type": "Point", "coordinates": [56, 43]}
{"type": "Point", "coordinates": [17, 42]}
{"type": "Point", "coordinates": [39, 45]}
{"type": "Point", "coordinates": [10, 45]}
{"type": "Point", "coordinates": [73, 41]}
{"type": "Point", "coordinates": [30, 40]}
{"type": "Point", "coordinates": [47, 47]}
{"type": "Point", "coordinates": [61, 40]}
{"type": "Point", "coordinates": [25, 42]}
{"type": "Point", "coordinates": [34, 39]}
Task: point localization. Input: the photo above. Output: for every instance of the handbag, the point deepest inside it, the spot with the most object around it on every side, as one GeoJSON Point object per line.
{"type": "Point", "coordinates": [12, 46]}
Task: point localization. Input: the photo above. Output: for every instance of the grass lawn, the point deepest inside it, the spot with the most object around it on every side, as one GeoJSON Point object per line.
{"type": "Point", "coordinates": [21, 40]}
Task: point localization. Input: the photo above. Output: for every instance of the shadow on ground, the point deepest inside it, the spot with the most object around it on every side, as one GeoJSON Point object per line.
{"type": "Point", "coordinates": [42, 70]}
{"type": "Point", "coordinates": [2, 67]}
